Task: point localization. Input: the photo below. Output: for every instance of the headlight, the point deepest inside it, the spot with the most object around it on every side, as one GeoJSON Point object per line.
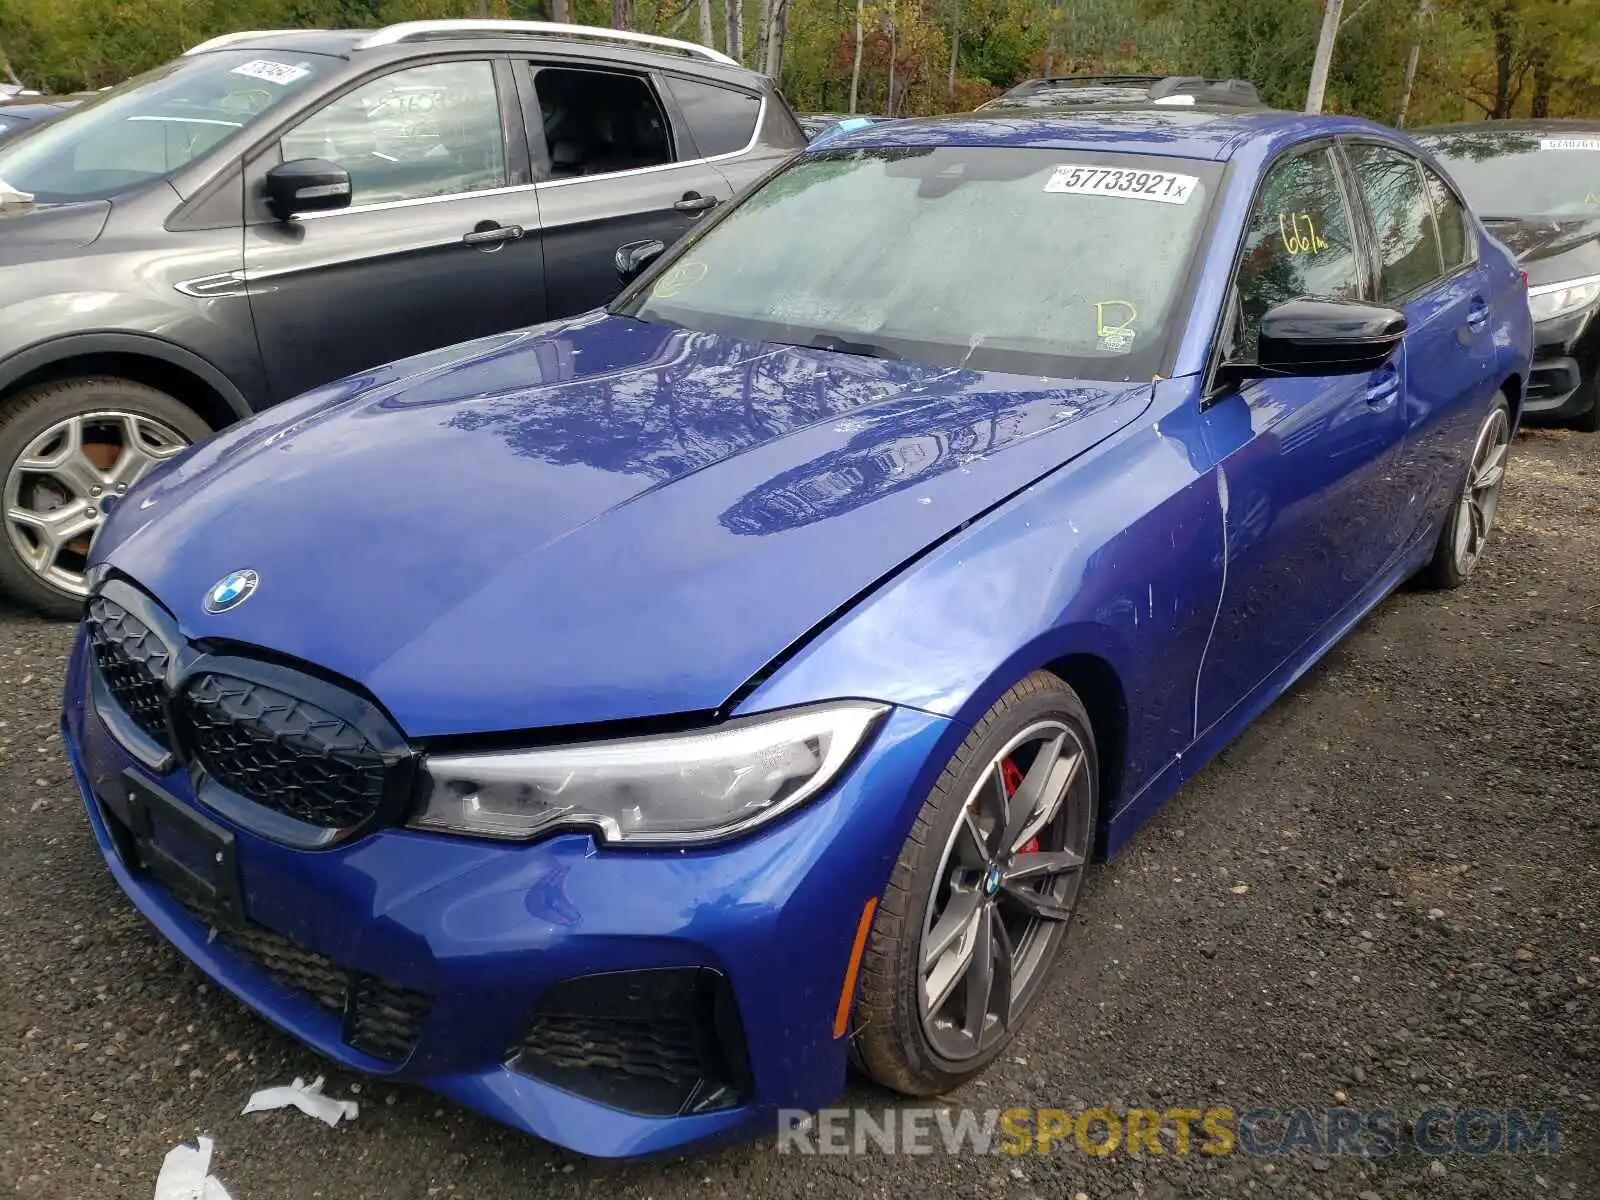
{"type": "Point", "coordinates": [687, 787]}
{"type": "Point", "coordinates": [1551, 300]}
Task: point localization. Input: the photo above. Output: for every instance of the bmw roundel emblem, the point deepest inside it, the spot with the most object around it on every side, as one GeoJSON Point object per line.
{"type": "Point", "coordinates": [232, 590]}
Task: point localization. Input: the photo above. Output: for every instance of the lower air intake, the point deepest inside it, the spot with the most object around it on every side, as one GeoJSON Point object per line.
{"type": "Point", "coordinates": [661, 1043]}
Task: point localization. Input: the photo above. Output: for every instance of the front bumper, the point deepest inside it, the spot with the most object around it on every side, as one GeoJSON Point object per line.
{"type": "Point", "coordinates": [1566, 359]}
{"type": "Point", "coordinates": [486, 929]}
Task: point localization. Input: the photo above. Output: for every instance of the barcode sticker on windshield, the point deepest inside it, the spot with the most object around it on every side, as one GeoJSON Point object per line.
{"type": "Point", "coordinates": [281, 74]}
{"type": "Point", "coordinates": [1123, 182]}
{"type": "Point", "coordinates": [1570, 143]}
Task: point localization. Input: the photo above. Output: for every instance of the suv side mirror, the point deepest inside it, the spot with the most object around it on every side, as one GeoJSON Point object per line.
{"type": "Point", "coordinates": [1327, 337]}
{"type": "Point", "coordinates": [304, 185]}
{"type": "Point", "coordinates": [633, 257]}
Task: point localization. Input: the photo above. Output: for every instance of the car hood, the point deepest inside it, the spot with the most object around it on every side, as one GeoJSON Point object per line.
{"type": "Point", "coordinates": [1551, 251]}
{"type": "Point", "coordinates": [605, 521]}
{"type": "Point", "coordinates": [26, 228]}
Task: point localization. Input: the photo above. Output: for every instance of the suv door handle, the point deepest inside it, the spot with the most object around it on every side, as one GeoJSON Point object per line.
{"type": "Point", "coordinates": [694, 202]}
{"type": "Point", "coordinates": [491, 236]}
{"type": "Point", "coordinates": [1478, 314]}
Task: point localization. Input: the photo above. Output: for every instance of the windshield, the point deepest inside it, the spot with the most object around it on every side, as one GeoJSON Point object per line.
{"type": "Point", "coordinates": [152, 125]}
{"type": "Point", "coordinates": [1050, 262]}
{"type": "Point", "coordinates": [1523, 174]}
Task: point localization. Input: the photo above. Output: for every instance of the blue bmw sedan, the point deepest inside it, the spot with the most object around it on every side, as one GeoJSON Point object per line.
{"type": "Point", "coordinates": [620, 725]}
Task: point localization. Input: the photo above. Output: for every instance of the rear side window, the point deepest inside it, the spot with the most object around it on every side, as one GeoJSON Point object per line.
{"type": "Point", "coordinates": [1298, 243]}
{"type": "Point", "coordinates": [599, 122]}
{"type": "Point", "coordinates": [721, 120]}
{"type": "Point", "coordinates": [1402, 219]}
{"type": "Point", "coordinates": [1453, 243]}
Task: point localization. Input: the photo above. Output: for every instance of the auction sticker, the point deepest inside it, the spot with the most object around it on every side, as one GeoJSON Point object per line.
{"type": "Point", "coordinates": [1167, 187]}
{"type": "Point", "coordinates": [281, 74]}
{"type": "Point", "coordinates": [1570, 143]}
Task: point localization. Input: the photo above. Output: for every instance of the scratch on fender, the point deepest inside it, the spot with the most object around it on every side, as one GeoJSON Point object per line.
{"type": "Point", "coordinates": [1222, 591]}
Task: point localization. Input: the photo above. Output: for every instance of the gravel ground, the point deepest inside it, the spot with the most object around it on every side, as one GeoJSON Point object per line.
{"type": "Point", "coordinates": [1386, 893]}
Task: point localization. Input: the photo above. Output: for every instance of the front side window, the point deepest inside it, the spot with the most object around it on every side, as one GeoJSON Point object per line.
{"type": "Point", "coordinates": [426, 131]}
{"type": "Point", "coordinates": [1402, 219]}
{"type": "Point", "coordinates": [599, 122]}
{"type": "Point", "coordinates": [1063, 263]}
{"type": "Point", "coordinates": [155, 124]}
{"type": "Point", "coordinates": [1298, 243]}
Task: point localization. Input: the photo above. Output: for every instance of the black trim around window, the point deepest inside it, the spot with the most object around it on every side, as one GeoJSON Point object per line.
{"type": "Point", "coordinates": [1471, 262]}
{"type": "Point", "coordinates": [1359, 230]}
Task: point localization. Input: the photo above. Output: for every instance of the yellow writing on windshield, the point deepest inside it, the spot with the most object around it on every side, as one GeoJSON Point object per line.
{"type": "Point", "coordinates": [681, 278]}
{"type": "Point", "coordinates": [1115, 308]}
{"type": "Point", "coordinates": [1299, 233]}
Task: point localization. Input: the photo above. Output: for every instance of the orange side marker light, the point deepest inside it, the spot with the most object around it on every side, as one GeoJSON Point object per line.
{"type": "Point", "coordinates": [841, 1018]}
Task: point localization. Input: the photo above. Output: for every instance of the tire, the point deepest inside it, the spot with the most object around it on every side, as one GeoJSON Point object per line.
{"type": "Point", "coordinates": [1588, 421]}
{"type": "Point", "coordinates": [122, 429]}
{"type": "Point", "coordinates": [896, 1037]}
{"type": "Point", "coordinates": [1466, 533]}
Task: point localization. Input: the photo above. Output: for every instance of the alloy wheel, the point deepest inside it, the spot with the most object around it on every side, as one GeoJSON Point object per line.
{"type": "Point", "coordinates": [1474, 515]}
{"type": "Point", "coordinates": [1007, 885]}
{"type": "Point", "coordinates": [60, 487]}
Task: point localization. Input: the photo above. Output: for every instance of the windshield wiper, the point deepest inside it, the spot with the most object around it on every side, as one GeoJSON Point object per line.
{"type": "Point", "coordinates": [829, 341]}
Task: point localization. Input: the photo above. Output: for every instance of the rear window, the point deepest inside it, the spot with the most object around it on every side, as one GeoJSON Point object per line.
{"type": "Point", "coordinates": [721, 121]}
{"type": "Point", "coordinates": [1523, 173]}
{"type": "Point", "coordinates": [1064, 263]}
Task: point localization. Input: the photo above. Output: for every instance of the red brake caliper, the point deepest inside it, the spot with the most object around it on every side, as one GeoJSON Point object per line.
{"type": "Point", "coordinates": [1011, 776]}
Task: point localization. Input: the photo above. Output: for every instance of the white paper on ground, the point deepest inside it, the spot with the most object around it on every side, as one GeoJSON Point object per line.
{"type": "Point", "coordinates": [308, 1098]}
{"type": "Point", "coordinates": [185, 1175]}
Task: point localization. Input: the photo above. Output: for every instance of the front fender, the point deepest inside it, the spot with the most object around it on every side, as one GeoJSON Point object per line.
{"type": "Point", "coordinates": [1117, 556]}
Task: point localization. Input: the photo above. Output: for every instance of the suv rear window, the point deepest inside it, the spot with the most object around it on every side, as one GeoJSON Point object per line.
{"type": "Point", "coordinates": [721, 121]}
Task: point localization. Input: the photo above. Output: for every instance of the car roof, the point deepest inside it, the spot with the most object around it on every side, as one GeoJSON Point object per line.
{"type": "Point", "coordinates": [33, 108]}
{"type": "Point", "coordinates": [1078, 91]}
{"type": "Point", "coordinates": [1508, 128]}
{"type": "Point", "coordinates": [1216, 134]}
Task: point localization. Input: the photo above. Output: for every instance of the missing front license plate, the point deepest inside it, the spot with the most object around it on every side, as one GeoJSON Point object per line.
{"type": "Point", "coordinates": [182, 849]}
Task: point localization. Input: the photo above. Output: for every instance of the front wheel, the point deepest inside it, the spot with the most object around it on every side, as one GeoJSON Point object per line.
{"type": "Point", "coordinates": [982, 894]}
{"type": "Point", "coordinates": [69, 451]}
{"type": "Point", "coordinates": [1465, 535]}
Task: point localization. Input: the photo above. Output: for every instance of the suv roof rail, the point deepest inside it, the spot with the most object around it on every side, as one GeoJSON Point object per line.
{"type": "Point", "coordinates": [413, 31]}
{"type": "Point", "coordinates": [243, 35]}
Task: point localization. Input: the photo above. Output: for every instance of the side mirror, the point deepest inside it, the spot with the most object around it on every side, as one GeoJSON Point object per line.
{"type": "Point", "coordinates": [305, 185]}
{"type": "Point", "coordinates": [1327, 337]}
{"type": "Point", "coordinates": [633, 257]}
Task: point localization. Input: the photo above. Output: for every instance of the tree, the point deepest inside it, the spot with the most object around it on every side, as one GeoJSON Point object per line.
{"type": "Point", "coordinates": [735, 30]}
{"type": "Point", "coordinates": [855, 63]}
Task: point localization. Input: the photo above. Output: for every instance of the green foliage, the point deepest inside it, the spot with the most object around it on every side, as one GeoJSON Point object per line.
{"type": "Point", "coordinates": [1478, 57]}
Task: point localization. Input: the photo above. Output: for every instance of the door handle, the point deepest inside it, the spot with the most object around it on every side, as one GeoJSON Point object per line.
{"type": "Point", "coordinates": [491, 236]}
{"type": "Point", "coordinates": [1478, 314]}
{"type": "Point", "coordinates": [694, 202]}
{"type": "Point", "coordinates": [1382, 388]}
